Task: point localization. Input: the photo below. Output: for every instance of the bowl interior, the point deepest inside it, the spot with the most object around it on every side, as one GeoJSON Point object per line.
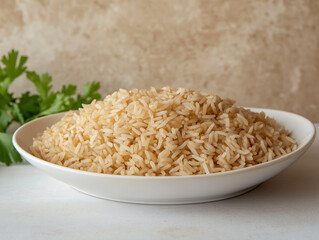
{"type": "Point", "coordinates": [25, 134]}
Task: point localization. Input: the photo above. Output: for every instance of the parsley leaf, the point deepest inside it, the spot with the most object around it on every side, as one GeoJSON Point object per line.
{"type": "Point", "coordinates": [68, 90]}
{"type": "Point", "coordinates": [13, 67]}
{"type": "Point", "coordinates": [61, 103]}
{"type": "Point", "coordinates": [16, 113]}
{"type": "Point", "coordinates": [5, 120]}
{"type": "Point", "coordinates": [8, 154]}
{"type": "Point", "coordinates": [43, 87]}
{"type": "Point", "coordinates": [30, 106]}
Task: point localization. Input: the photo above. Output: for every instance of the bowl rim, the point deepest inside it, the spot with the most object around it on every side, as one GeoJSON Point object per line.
{"type": "Point", "coordinates": [301, 148]}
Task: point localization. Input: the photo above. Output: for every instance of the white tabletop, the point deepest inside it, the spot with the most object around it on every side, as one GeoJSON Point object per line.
{"type": "Point", "coordinates": [36, 206]}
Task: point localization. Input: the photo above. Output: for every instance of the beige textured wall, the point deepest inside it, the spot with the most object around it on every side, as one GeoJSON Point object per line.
{"type": "Point", "coordinates": [260, 53]}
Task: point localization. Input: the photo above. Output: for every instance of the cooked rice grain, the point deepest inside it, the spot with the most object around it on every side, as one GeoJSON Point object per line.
{"type": "Point", "coordinates": [154, 132]}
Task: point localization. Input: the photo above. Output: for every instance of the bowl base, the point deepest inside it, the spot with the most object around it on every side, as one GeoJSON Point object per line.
{"type": "Point", "coordinates": [173, 201]}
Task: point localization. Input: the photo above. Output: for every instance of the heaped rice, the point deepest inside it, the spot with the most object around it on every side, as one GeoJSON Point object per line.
{"type": "Point", "coordinates": [162, 132]}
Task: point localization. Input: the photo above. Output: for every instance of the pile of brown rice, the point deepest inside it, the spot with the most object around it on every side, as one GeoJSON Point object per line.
{"type": "Point", "coordinates": [162, 132]}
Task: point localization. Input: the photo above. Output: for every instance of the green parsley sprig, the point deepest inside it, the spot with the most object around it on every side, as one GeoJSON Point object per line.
{"type": "Point", "coordinates": [29, 106]}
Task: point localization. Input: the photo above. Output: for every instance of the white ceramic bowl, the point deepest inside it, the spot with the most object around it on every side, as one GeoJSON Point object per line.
{"type": "Point", "coordinates": [169, 189]}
